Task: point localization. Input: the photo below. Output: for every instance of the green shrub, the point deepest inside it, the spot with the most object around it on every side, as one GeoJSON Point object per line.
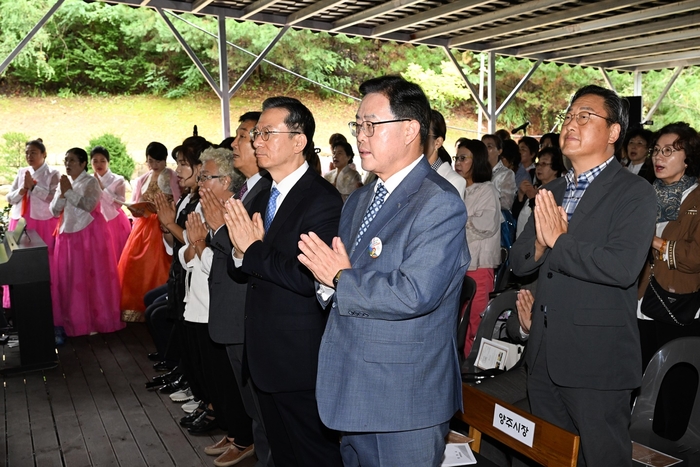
{"type": "Point", "coordinates": [120, 162]}
{"type": "Point", "coordinates": [12, 155]}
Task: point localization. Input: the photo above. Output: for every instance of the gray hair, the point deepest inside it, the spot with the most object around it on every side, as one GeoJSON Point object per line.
{"type": "Point", "coordinates": [223, 158]}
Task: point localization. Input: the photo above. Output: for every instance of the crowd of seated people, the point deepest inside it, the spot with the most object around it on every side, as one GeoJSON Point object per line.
{"type": "Point", "coordinates": [179, 267]}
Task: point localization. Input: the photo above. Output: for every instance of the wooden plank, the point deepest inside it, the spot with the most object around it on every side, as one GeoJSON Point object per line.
{"type": "Point", "coordinates": [3, 433]}
{"type": "Point", "coordinates": [97, 442]}
{"type": "Point", "coordinates": [149, 443]}
{"type": "Point", "coordinates": [121, 439]}
{"type": "Point", "coordinates": [44, 439]}
{"type": "Point", "coordinates": [184, 449]}
{"type": "Point", "coordinates": [68, 429]}
{"type": "Point", "coordinates": [19, 438]}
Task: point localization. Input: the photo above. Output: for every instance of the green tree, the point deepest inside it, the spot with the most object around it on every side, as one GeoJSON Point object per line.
{"type": "Point", "coordinates": [120, 162]}
{"type": "Point", "coordinates": [12, 154]}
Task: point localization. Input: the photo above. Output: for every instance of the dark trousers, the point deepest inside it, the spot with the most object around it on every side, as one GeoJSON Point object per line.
{"type": "Point", "coordinates": [600, 417]}
{"type": "Point", "coordinates": [220, 384]}
{"type": "Point", "coordinates": [297, 436]}
{"type": "Point", "coordinates": [190, 360]}
{"type": "Point", "coordinates": [251, 404]}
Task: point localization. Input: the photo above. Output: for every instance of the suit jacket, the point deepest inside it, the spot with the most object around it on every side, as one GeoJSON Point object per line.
{"type": "Point", "coordinates": [587, 283]}
{"type": "Point", "coordinates": [283, 320]}
{"type": "Point", "coordinates": [226, 296]}
{"type": "Point", "coordinates": [388, 359]}
{"type": "Point", "coordinates": [647, 170]}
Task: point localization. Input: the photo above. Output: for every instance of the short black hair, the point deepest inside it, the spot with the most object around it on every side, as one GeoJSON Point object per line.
{"type": "Point", "coordinates": [347, 147]}
{"type": "Point", "coordinates": [511, 153]}
{"type": "Point", "coordinates": [557, 160]}
{"type": "Point", "coordinates": [37, 143]}
{"type": "Point", "coordinates": [496, 139]}
{"type": "Point", "coordinates": [616, 108]}
{"type": "Point", "coordinates": [99, 150]}
{"type": "Point", "coordinates": [337, 138]}
{"type": "Point", "coordinates": [299, 118]}
{"type": "Point", "coordinates": [157, 151]}
{"type": "Point", "coordinates": [643, 133]}
{"type": "Point", "coordinates": [226, 142]}
{"type": "Point", "coordinates": [688, 140]}
{"type": "Point", "coordinates": [252, 116]}
{"type": "Point", "coordinates": [81, 154]}
{"type": "Point", "coordinates": [553, 137]}
{"type": "Point", "coordinates": [532, 144]}
{"type": "Point", "coordinates": [481, 168]}
{"type": "Point", "coordinates": [406, 100]}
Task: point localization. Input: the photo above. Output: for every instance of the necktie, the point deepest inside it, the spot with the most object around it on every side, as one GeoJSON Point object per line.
{"type": "Point", "coordinates": [242, 191]}
{"type": "Point", "coordinates": [271, 207]}
{"type": "Point", "coordinates": [372, 211]}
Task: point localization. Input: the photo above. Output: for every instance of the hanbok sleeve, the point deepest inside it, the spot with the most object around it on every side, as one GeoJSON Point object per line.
{"type": "Point", "coordinates": [87, 201]}
{"type": "Point", "coordinates": [46, 193]}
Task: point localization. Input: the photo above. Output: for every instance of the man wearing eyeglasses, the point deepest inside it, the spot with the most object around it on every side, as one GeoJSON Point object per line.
{"type": "Point", "coordinates": [283, 320]}
{"type": "Point", "coordinates": [589, 236]}
{"type": "Point", "coordinates": [388, 375]}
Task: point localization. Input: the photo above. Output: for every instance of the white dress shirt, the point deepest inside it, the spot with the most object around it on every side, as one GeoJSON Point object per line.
{"type": "Point", "coordinates": [40, 197]}
{"type": "Point", "coordinates": [77, 204]}
{"type": "Point", "coordinates": [197, 269]}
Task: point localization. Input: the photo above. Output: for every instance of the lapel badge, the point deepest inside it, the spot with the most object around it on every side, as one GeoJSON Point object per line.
{"type": "Point", "coordinates": [375, 247]}
{"type": "Point", "coordinates": [692, 212]}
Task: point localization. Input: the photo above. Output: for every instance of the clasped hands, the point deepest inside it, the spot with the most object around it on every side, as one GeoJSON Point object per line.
{"type": "Point", "coordinates": [323, 261]}
{"type": "Point", "coordinates": [243, 230]}
{"type": "Point", "coordinates": [551, 221]}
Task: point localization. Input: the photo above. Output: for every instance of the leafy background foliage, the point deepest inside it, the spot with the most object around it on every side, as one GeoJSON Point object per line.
{"type": "Point", "coordinates": [99, 49]}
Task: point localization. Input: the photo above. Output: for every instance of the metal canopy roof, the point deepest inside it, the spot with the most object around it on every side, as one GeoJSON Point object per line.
{"type": "Point", "coordinates": [626, 35]}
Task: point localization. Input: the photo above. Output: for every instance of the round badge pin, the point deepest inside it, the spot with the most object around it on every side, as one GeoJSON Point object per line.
{"type": "Point", "coordinates": [375, 247]}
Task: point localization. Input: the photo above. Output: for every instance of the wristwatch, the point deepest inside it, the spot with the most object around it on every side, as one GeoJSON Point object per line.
{"type": "Point", "coordinates": [337, 278]}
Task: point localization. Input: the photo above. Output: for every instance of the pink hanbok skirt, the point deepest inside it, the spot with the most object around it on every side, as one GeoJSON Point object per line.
{"type": "Point", "coordinates": [84, 282]}
{"type": "Point", "coordinates": [119, 230]}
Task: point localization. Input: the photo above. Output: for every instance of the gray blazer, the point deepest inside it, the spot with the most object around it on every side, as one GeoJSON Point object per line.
{"type": "Point", "coordinates": [588, 283]}
{"type": "Point", "coordinates": [388, 357]}
{"type": "Point", "coordinates": [226, 296]}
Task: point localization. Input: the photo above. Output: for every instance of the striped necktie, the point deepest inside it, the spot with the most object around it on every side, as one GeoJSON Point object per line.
{"type": "Point", "coordinates": [372, 210]}
{"type": "Point", "coordinates": [271, 208]}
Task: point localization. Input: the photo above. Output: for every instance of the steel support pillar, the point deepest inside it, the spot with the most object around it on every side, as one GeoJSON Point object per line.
{"type": "Point", "coordinates": [492, 92]}
{"type": "Point", "coordinates": [676, 73]}
{"type": "Point", "coordinates": [223, 79]}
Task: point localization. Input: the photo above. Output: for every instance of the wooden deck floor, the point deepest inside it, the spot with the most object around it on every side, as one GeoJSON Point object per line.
{"type": "Point", "coordinates": [94, 410]}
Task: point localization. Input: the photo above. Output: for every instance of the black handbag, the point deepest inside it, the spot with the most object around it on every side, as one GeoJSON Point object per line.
{"type": "Point", "coordinates": [667, 307]}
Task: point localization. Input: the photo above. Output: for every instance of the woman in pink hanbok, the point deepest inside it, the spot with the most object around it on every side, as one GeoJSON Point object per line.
{"type": "Point", "coordinates": [113, 196]}
{"type": "Point", "coordinates": [85, 285]}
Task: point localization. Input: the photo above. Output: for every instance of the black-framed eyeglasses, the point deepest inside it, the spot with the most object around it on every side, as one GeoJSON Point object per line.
{"type": "Point", "coordinates": [206, 178]}
{"type": "Point", "coordinates": [665, 151]}
{"type": "Point", "coordinates": [265, 133]}
{"type": "Point", "coordinates": [368, 127]}
{"type": "Point", "coordinates": [582, 117]}
{"type": "Point", "coordinates": [461, 158]}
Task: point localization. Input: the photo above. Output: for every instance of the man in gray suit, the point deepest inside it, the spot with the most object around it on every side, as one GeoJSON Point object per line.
{"type": "Point", "coordinates": [227, 297]}
{"type": "Point", "coordinates": [589, 236]}
{"type": "Point", "coordinates": [388, 374]}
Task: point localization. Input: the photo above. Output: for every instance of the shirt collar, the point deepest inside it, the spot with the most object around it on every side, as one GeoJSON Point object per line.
{"type": "Point", "coordinates": [588, 175]}
{"type": "Point", "coordinates": [253, 180]}
{"type": "Point", "coordinates": [436, 165]}
{"type": "Point", "coordinates": [288, 182]}
{"type": "Point", "coordinates": [395, 180]}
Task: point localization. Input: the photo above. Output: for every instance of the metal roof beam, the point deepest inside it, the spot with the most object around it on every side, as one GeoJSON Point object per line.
{"type": "Point", "coordinates": [661, 97]}
{"type": "Point", "coordinates": [470, 86]}
{"type": "Point", "coordinates": [607, 79]}
{"type": "Point", "coordinates": [372, 13]}
{"type": "Point", "coordinates": [545, 20]}
{"type": "Point", "coordinates": [311, 10]}
{"type": "Point", "coordinates": [256, 7]}
{"type": "Point", "coordinates": [198, 5]}
{"type": "Point", "coordinates": [428, 15]}
{"type": "Point", "coordinates": [595, 25]}
{"type": "Point", "coordinates": [670, 64]}
{"type": "Point", "coordinates": [634, 43]}
{"type": "Point", "coordinates": [518, 87]}
{"type": "Point", "coordinates": [661, 60]}
{"type": "Point", "coordinates": [486, 18]}
{"type": "Point", "coordinates": [662, 47]}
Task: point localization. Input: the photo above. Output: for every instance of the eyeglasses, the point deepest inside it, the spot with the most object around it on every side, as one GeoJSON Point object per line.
{"type": "Point", "coordinates": [265, 133]}
{"type": "Point", "coordinates": [206, 178]}
{"type": "Point", "coordinates": [582, 117]}
{"type": "Point", "coordinates": [368, 127]}
{"type": "Point", "coordinates": [665, 151]}
{"type": "Point", "coordinates": [461, 158]}
{"type": "Point", "coordinates": [543, 164]}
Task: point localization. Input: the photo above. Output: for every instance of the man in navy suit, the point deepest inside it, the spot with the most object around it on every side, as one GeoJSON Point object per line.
{"type": "Point", "coordinates": [588, 238]}
{"type": "Point", "coordinates": [388, 374]}
{"type": "Point", "coordinates": [283, 320]}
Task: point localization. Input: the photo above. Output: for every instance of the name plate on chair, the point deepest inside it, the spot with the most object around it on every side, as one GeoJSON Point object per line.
{"type": "Point", "coordinates": [514, 425]}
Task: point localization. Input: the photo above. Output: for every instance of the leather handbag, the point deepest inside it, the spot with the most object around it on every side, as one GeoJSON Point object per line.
{"type": "Point", "coordinates": [667, 307]}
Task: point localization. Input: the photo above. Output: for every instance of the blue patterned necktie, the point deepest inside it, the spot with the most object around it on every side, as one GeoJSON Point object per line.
{"type": "Point", "coordinates": [271, 207]}
{"type": "Point", "coordinates": [372, 211]}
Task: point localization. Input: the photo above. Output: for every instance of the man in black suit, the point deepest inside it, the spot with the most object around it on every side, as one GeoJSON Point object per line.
{"type": "Point", "coordinates": [227, 297]}
{"type": "Point", "coordinates": [589, 236]}
{"type": "Point", "coordinates": [284, 321]}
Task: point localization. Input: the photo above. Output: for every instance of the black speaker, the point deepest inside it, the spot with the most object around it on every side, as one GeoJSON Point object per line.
{"type": "Point", "coordinates": [635, 109]}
